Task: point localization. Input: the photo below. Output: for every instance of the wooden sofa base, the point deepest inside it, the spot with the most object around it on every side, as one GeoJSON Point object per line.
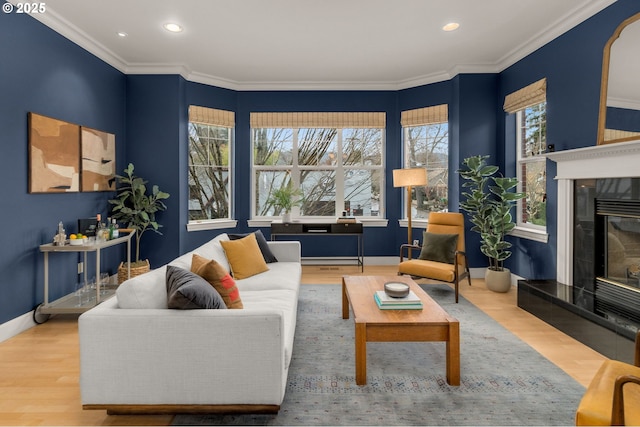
{"type": "Point", "coordinates": [185, 409]}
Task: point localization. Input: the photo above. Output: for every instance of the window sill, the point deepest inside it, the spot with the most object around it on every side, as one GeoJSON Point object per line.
{"type": "Point", "coordinates": [213, 224]}
{"type": "Point", "coordinates": [366, 222]}
{"type": "Point", "coordinates": [528, 233]}
{"type": "Point", "coordinates": [415, 223]}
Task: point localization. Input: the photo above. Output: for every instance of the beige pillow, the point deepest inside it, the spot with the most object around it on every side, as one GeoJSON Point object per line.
{"type": "Point", "coordinates": [219, 278]}
{"type": "Point", "coordinates": [244, 256]}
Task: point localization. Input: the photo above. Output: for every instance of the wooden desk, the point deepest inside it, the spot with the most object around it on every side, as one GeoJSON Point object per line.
{"type": "Point", "coordinates": [431, 323]}
{"type": "Point", "coordinates": [322, 229]}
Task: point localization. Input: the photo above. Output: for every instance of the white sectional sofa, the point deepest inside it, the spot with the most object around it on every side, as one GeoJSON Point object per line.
{"type": "Point", "coordinates": [138, 356]}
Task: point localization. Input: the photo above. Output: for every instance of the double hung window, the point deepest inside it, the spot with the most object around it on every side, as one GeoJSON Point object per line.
{"type": "Point", "coordinates": [334, 159]}
{"type": "Point", "coordinates": [530, 108]}
{"type": "Point", "coordinates": [426, 145]}
{"type": "Point", "coordinates": [210, 153]}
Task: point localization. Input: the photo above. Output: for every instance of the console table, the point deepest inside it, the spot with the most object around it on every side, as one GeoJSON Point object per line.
{"type": "Point", "coordinates": [322, 229]}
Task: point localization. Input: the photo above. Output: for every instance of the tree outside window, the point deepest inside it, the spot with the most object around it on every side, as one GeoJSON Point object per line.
{"type": "Point", "coordinates": [336, 169]}
{"type": "Point", "coordinates": [532, 173]}
{"type": "Point", "coordinates": [427, 146]}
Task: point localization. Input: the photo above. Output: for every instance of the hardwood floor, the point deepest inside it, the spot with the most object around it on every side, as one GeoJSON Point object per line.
{"type": "Point", "coordinates": [39, 368]}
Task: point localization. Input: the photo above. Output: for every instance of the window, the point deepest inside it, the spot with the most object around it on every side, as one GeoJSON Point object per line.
{"type": "Point", "coordinates": [532, 172]}
{"type": "Point", "coordinates": [210, 151]}
{"type": "Point", "coordinates": [426, 144]}
{"type": "Point", "coordinates": [335, 159]}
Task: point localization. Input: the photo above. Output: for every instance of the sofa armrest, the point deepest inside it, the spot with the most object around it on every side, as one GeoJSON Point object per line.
{"type": "Point", "coordinates": [286, 251]}
{"type": "Point", "coordinates": [163, 356]}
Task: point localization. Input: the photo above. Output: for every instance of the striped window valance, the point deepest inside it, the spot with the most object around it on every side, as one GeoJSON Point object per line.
{"type": "Point", "coordinates": [318, 120]}
{"type": "Point", "coordinates": [211, 116]}
{"type": "Point", "coordinates": [530, 95]}
{"type": "Point", "coordinates": [425, 116]}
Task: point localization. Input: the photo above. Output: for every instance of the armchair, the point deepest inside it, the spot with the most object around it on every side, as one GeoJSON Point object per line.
{"type": "Point", "coordinates": [422, 267]}
{"type": "Point", "coordinates": [613, 396]}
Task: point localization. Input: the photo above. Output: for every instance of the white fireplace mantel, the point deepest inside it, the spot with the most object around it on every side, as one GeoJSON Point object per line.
{"type": "Point", "coordinates": [619, 160]}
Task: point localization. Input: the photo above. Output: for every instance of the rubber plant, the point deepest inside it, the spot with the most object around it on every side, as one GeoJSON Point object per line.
{"type": "Point", "coordinates": [136, 207]}
{"type": "Point", "coordinates": [488, 201]}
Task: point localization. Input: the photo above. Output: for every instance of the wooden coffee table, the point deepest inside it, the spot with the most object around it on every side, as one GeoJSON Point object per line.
{"type": "Point", "coordinates": [372, 324]}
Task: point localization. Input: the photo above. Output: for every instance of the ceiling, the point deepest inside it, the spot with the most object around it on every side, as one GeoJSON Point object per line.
{"type": "Point", "coordinates": [314, 44]}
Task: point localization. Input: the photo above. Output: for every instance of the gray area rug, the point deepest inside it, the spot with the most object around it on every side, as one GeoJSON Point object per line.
{"type": "Point", "coordinates": [503, 380]}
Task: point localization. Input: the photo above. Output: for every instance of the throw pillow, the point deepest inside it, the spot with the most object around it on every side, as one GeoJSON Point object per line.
{"type": "Point", "coordinates": [219, 278]}
{"type": "Point", "coordinates": [439, 247]}
{"type": "Point", "coordinates": [186, 290]}
{"type": "Point", "coordinates": [244, 256]}
{"type": "Point", "coordinates": [262, 244]}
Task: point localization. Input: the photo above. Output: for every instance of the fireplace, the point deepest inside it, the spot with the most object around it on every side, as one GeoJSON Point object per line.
{"type": "Point", "coordinates": [595, 296]}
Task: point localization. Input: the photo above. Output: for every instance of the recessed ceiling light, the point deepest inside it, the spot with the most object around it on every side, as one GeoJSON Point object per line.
{"type": "Point", "coordinates": [451, 26]}
{"type": "Point", "coordinates": [122, 34]}
{"type": "Point", "coordinates": [174, 28]}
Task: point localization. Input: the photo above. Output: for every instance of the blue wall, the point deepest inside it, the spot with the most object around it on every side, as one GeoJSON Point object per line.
{"type": "Point", "coordinates": [43, 72]}
{"type": "Point", "coordinates": [49, 75]}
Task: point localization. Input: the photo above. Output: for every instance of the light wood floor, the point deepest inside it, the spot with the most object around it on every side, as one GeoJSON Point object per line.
{"type": "Point", "coordinates": [39, 368]}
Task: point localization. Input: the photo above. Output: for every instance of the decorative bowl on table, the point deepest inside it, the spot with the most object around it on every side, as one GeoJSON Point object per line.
{"type": "Point", "coordinates": [396, 289]}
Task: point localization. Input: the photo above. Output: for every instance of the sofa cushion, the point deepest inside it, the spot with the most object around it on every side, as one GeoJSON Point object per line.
{"type": "Point", "coordinates": [244, 256]}
{"type": "Point", "coordinates": [187, 291]}
{"type": "Point", "coordinates": [147, 290]}
{"type": "Point", "coordinates": [219, 278]}
{"type": "Point", "coordinates": [213, 250]}
{"type": "Point", "coordinates": [268, 256]}
{"type": "Point", "coordinates": [281, 275]}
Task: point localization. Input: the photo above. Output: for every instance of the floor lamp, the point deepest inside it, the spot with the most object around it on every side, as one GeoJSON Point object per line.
{"type": "Point", "coordinates": [408, 178]}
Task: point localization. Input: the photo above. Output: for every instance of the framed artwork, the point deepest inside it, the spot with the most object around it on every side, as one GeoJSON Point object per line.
{"type": "Point", "coordinates": [98, 163]}
{"type": "Point", "coordinates": [54, 155]}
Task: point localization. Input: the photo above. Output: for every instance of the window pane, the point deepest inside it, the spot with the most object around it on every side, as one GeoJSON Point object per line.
{"type": "Point", "coordinates": [208, 193]}
{"type": "Point", "coordinates": [428, 147]}
{"type": "Point", "coordinates": [319, 190]}
{"type": "Point", "coordinates": [362, 192]}
{"type": "Point", "coordinates": [534, 131]}
{"type": "Point", "coordinates": [362, 147]}
{"type": "Point", "coordinates": [317, 147]}
{"type": "Point", "coordinates": [533, 207]}
{"type": "Point", "coordinates": [273, 147]}
{"type": "Point", "coordinates": [266, 183]}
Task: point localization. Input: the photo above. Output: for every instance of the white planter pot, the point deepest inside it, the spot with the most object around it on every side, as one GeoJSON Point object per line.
{"type": "Point", "coordinates": [286, 217]}
{"type": "Point", "coordinates": [498, 281]}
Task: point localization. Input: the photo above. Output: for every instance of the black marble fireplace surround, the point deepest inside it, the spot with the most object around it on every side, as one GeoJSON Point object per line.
{"type": "Point", "coordinates": [602, 308]}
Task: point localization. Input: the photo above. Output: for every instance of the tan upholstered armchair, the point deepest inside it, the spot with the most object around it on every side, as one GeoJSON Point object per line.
{"type": "Point", "coordinates": [613, 396]}
{"type": "Point", "coordinates": [441, 257]}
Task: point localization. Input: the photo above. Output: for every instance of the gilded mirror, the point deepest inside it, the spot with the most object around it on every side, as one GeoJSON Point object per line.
{"type": "Point", "coordinates": [620, 88]}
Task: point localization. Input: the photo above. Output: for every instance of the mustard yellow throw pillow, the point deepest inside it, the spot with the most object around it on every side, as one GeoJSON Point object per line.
{"type": "Point", "coordinates": [244, 257]}
{"type": "Point", "coordinates": [219, 278]}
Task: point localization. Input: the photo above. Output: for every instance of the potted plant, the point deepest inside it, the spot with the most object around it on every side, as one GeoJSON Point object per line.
{"type": "Point", "coordinates": [137, 208]}
{"type": "Point", "coordinates": [488, 202]}
{"type": "Point", "coordinates": [285, 198]}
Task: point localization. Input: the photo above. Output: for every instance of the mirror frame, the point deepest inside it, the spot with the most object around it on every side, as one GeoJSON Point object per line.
{"type": "Point", "coordinates": [606, 56]}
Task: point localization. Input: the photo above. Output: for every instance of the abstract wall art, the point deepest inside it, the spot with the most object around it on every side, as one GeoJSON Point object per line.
{"type": "Point", "coordinates": [54, 155]}
{"type": "Point", "coordinates": [98, 152]}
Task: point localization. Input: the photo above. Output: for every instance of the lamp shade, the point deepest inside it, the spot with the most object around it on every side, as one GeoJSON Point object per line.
{"type": "Point", "coordinates": [409, 177]}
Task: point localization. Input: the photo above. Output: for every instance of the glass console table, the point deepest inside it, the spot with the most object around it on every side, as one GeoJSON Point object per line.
{"type": "Point", "coordinates": [69, 303]}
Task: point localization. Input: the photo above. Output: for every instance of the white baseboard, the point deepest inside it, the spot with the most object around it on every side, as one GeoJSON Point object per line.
{"type": "Point", "coordinates": [16, 326]}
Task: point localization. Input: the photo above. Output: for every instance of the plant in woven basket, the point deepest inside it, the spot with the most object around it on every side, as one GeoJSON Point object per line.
{"type": "Point", "coordinates": [136, 207]}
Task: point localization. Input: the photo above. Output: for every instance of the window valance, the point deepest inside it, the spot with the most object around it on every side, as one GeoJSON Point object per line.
{"type": "Point", "coordinates": [530, 95]}
{"type": "Point", "coordinates": [425, 116]}
{"type": "Point", "coordinates": [211, 116]}
{"type": "Point", "coordinates": [319, 120]}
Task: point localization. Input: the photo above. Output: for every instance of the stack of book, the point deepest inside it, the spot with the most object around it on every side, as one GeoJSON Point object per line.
{"type": "Point", "coordinates": [385, 302]}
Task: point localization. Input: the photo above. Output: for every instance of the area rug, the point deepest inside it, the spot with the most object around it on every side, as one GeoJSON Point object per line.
{"type": "Point", "coordinates": [503, 380]}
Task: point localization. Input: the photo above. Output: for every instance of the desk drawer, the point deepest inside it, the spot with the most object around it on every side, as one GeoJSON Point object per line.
{"type": "Point", "coordinates": [286, 228]}
{"type": "Point", "coordinates": [348, 227]}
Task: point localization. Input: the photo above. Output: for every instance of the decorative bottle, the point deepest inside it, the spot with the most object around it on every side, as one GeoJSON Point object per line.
{"type": "Point", "coordinates": [115, 232]}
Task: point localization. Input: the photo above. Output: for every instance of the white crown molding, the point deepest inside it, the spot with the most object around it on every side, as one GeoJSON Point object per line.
{"type": "Point", "coordinates": [555, 29]}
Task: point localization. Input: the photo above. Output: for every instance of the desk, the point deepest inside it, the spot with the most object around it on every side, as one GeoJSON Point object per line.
{"type": "Point", "coordinates": [322, 229]}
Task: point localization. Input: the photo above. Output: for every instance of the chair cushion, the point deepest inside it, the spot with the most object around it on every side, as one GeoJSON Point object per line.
{"type": "Point", "coordinates": [596, 404]}
{"type": "Point", "coordinates": [439, 247]}
{"type": "Point", "coordinates": [431, 269]}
